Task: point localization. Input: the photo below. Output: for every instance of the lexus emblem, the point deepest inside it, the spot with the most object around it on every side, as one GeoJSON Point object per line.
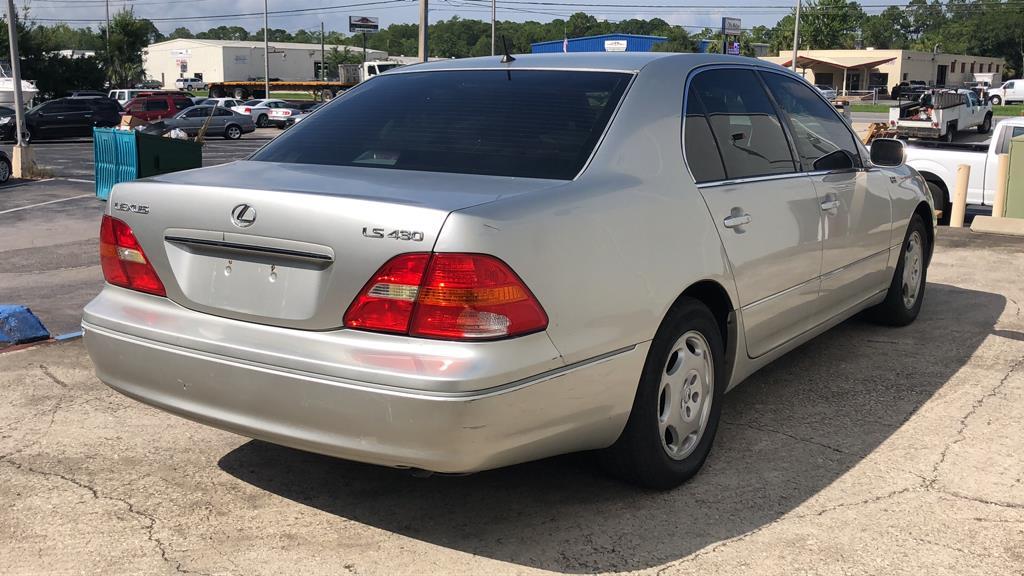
{"type": "Point", "coordinates": [243, 215]}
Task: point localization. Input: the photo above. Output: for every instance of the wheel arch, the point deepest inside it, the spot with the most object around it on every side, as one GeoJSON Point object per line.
{"type": "Point", "coordinates": [713, 295]}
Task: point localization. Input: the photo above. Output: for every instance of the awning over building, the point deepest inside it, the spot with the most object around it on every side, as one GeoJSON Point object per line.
{"type": "Point", "coordinates": [843, 62]}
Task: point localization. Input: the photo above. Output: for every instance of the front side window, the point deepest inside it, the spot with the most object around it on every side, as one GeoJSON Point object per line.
{"type": "Point", "coordinates": [817, 131]}
{"type": "Point", "coordinates": [521, 123]}
{"type": "Point", "coordinates": [743, 123]}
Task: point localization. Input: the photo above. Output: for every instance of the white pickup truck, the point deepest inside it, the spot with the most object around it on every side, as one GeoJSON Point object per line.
{"type": "Point", "coordinates": [941, 114]}
{"type": "Point", "coordinates": [938, 163]}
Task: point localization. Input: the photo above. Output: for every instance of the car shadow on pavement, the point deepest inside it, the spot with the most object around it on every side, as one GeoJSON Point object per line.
{"type": "Point", "coordinates": [790, 431]}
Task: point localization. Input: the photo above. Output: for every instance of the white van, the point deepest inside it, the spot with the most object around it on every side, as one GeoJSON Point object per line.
{"type": "Point", "coordinates": [123, 96]}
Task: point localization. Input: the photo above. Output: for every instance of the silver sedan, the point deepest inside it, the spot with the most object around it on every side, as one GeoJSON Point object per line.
{"type": "Point", "coordinates": [504, 261]}
{"type": "Point", "coordinates": [221, 122]}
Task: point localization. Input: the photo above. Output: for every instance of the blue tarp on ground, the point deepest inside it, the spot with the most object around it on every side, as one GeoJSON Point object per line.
{"type": "Point", "coordinates": [19, 325]}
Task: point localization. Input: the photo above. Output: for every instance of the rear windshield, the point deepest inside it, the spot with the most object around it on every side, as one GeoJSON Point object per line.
{"type": "Point", "coordinates": [525, 123]}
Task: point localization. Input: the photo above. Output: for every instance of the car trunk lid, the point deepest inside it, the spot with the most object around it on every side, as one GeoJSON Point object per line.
{"type": "Point", "coordinates": [291, 244]}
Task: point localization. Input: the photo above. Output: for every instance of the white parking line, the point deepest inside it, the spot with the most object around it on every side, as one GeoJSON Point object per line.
{"type": "Point", "coordinates": [8, 211]}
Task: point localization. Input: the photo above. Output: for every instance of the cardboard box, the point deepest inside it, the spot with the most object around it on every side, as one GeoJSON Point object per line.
{"type": "Point", "coordinates": [129, 122]}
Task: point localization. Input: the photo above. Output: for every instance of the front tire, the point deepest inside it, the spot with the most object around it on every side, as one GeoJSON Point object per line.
{"type": "Point", "coordinates": [678, 402]}
{"type": "Point", "coordinates": [985, 125]}
{"type": "Point", "coordinates": [906, 291]}
{"type": "Point", "coordinates": [5, 170]}
{"type": "Point", "coordinates": [939, 201]}
{"type": "Point", "coordinates": [995, 100]}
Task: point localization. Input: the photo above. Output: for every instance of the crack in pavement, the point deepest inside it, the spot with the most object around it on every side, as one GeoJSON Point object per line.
{"type": "Point", "coordinates": [788, 435]}
{"type": "Point", "coordinates": [150, 520]}
{"type": "Point", "coordinates": [963, 421]}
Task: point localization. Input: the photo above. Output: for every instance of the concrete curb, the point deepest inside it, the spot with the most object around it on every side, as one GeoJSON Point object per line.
{"type": "Point", "coordinates": [1003, 226]}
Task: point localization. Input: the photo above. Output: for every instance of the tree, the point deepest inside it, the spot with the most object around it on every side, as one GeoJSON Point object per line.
{"type": "Point", "coordinates": [890, 29]}
{"type": "Point", "coordinates": [180, 32]}
{"type": "Point", "coordinates": [128, 37]}
{"type": "Point", "coordinates": [826, 24]}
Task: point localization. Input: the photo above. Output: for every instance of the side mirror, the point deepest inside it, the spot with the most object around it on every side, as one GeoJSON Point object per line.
{"type": "Point", "coordinates": [835, 160]}
{"type": "Point", "coordinates": [888, 152]}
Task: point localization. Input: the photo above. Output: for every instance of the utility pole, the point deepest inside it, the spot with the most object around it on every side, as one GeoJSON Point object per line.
{"type": "Point", "coordinates": [364, 47]}
{"type": "Point", "coordinates": [493, 13]}
{"type": "Point", "coordinates": [266, 53]}
{"type": "Point", "coordinates": [108, 31]}
{"type": "Point", "coordinates": [424, 24]}
{"type": "Point", "coordinates": [323, 62]}
{"type": "Point", "coordinates": [796, 35]}
{"type": "Point", "coordinates": [21, 156]}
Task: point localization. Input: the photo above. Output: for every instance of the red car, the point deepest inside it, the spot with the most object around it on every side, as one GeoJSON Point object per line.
{"type": "Point", "coordinates": [156, 106]}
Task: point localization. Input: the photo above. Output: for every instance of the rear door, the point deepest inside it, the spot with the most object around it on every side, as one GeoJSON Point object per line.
{"type": "Point", "coordinates": [767, 212]}
{"type": "Point", "coordinates": [855, 212]}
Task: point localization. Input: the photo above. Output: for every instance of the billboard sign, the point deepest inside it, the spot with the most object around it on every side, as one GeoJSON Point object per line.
{"type": "Point", "coordinates": [734, 48]}
{"type": "Point", "coordinates": [365, 24]}
{"type": "Point", "coordinates": [731, 26]}
{"type": "Point", "coordinates": [614, 45]}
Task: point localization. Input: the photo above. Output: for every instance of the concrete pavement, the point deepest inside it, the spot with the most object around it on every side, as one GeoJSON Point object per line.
{"type": "Point", "coordinates": [870, 450]}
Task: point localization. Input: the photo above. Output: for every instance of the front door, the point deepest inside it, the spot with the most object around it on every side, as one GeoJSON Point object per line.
{"type": "Point", "coordinates": [855, 213]}
{"type": "Point", "coordinates": [940, 75]}
{"type": "Point", "coordinates": [766, 211]}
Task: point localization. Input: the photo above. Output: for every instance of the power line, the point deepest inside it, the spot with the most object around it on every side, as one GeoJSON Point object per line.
{"type": "Point", "coordinates": [289, 12]}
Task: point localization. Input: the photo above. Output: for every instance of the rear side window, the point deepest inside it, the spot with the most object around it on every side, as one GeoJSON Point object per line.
{"type": "Point", "coordinates": [702, 153]}
{"type": "Point", "coordinates": [743, 124]}
{"type": "Point", "coordinates": [522, 123]}
{"type": "Point", "coordinates": [182, 104]}
{"type": "Point", "coordinates": [816, 128]}
{"type": "Point", "coordinates": [156, 104]}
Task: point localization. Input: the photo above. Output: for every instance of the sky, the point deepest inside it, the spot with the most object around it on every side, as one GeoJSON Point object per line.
{"type": "Point", "coordinates": [170, 14]}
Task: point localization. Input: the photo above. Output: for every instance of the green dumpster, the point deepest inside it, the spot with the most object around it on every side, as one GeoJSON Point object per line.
{"type": "Point", "coordinates": [1015, 181]}
{"type": "Point", "coordinates": [123, 155]}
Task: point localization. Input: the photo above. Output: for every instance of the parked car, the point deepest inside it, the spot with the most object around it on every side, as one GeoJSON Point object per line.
{"type": "Point", "coordinates": [222, 122]}
{"type": "Point", "coordinates": [5, 167]}
{"type": "Point", "coordinates": [125, 95]}
{"type": "Point", "coordinates": [526, 266]}
{"type": "Point", "coordinates": [911, 90]}
{"type": "Point", "coordinates": [223, 102]}
{"type": "Point", "coordinates": [938, 164]}
{"type": "Point", "coordinates": [296, 119]}
{"type": "Point", "coordinates": [157, 106]}
{"type": "Point", "coordinates": [829, 92]}
{"type": "Point", "coordinates": [284, 116]}
{"type": "Point", "coordinates": [150, 85]}
{"type": "Point", "coordinates": [941, 114]}
{"type": "Point", "coordinates": [260, 109]}
{"type": "Point", "coordinates": [1010, 91]}
{"type": "Point", "coordinates": [190, 84]}
{"type": "Point", "coordinates": [64, 117]}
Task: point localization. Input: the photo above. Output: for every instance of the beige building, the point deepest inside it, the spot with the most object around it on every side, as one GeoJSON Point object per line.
{"type": "Point", "coordinates": [864, 70]}
{"type": "Point", "coordinates": [220, 60]}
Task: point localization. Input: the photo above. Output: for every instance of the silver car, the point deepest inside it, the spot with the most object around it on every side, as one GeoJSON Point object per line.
{"type": "Point", "coordinates": [219, 121]}
{"type": "Point", "coordinates": [503, 262]}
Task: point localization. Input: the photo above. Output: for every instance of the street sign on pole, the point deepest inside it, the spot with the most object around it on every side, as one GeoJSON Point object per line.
{"type": "Point", "coordinates": [733, 48]}
{"type": "Point", "coordinates": [363, 24]}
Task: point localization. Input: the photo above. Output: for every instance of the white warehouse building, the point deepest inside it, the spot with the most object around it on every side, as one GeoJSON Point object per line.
{"type": "Point", "coordinates": [222, 60]}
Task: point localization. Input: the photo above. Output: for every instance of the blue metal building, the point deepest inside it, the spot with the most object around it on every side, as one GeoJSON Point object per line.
{"type": "Point", "coordinates": [601, 43]}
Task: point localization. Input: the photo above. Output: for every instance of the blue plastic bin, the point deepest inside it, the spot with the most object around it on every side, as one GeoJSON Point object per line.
{"type": "Point", "coordinates": [124, 155]}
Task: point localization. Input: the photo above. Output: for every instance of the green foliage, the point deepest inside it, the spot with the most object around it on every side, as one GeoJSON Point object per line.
{"type": "Point", "coordinates": [123, 57]}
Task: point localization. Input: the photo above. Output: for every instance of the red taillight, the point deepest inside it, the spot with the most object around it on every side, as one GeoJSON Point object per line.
{"type": "Point", "coordinates": [447, 296]}
{"type": "Point", "coordinates": [286, 113]}
{"type": "Point", "coordinates": [247, 110]}
{"type": "Point", "coordinates": [123, 261]}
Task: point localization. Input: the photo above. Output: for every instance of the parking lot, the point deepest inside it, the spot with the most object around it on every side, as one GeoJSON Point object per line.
{"type": "Point", "coordinates": [869, 450]}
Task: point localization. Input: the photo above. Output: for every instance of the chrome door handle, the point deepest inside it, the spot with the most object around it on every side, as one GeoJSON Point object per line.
{"type": "Point", "coordinates": [734, 221]}
{"type": "Point", "coordinates": [830, 205]}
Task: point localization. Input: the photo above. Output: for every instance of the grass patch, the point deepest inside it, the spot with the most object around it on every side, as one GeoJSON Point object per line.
{"type": "Point", "coordinates": [1011, 110]}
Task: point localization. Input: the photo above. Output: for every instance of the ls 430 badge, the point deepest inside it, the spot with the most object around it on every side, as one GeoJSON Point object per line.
{"type": "Point", "coordinates": [407, 235]}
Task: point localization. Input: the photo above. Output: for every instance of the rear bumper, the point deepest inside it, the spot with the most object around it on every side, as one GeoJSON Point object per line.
{"type": "Point", "coordinates": [444, 426]}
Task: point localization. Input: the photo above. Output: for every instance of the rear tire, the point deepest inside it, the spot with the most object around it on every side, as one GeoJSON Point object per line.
{"type": "Point", "coordinates": [950, 133]}
{"type": "Point", "coordinates": [995, 100]}
{"type": "Point", "coordinates": [239, 93]}
{"type": "Point", "coordinates": [678, 402]}
{"type": "Point", "coordinates": [985, 125]}
{"type": "Point", "coordinates": [5, 170]}
{"type": "Point", "coordinates": [261, 121]}
{"type": "Point", "coordinates": [232, 132]}
{"type": "Point", "coordinates": [940, 201]}
{"type": "Point", "coordinates": [906, 291]}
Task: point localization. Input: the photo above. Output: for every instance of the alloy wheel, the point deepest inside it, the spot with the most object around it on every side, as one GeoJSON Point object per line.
{"type": "Point", "coordinates": [686, 395]}
{"type": "Point", "coordinates": [913, 263]}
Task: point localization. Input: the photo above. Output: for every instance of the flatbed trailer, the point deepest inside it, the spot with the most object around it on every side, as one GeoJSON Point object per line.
{"type": "Point", "coordinates": [244, 89]}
